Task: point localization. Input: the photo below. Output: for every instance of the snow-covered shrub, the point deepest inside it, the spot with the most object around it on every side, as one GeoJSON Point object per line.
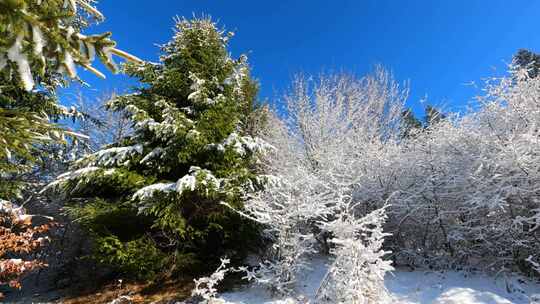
{"type": "Point", "coordinates": [535, 265]}
{"type": "Point", "coordinates": [206, 287]}
{"type": "Point", "coordinates": [335, 130]}
{"type": "Point", "coordinates": [357, 272]}
{"type": "Point", "coordinates": [462, 190]}
{"type": "Point", "coordinates": [284, 208]}
{"type": "Point", "coordinates": [466, 189]}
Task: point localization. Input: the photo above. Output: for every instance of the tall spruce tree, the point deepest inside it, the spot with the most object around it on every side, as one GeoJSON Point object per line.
{"type": "Point", "coordinates": [159, 195]}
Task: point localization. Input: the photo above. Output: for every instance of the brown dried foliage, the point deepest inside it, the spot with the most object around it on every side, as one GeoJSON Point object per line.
{"type": "Point", "coordinates": [19, 245]}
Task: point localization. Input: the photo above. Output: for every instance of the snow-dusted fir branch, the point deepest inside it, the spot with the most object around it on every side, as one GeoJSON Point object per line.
{"type": "Point", "coordinates": [53, 32]}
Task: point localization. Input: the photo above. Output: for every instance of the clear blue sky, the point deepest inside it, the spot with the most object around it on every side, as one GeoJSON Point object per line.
{"type": "Point", "coordinates": [438, 45]}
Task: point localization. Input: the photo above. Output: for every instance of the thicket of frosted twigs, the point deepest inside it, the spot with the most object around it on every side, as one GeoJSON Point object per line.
{"type": "Point", "coordinates": [308, 204]}
{"type": "Point", "coordinates": [459, 193]}
{"type": "Point", "coordinates": [466, 189]}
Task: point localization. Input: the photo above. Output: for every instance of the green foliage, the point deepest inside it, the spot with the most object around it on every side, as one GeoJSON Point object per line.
{"type": "Point", "coordinates": [107, 183]}
{"type": "Point", "coordinates": [106, 217]}
{"type": "Point", "coordinates": [139, 258]}
{"type": "Point", "coordinates": [39, 37]}
{"type": "Point", "coordinates": [24, 133]}
{"type": "Point", "coordinates": [433, 116]}
{"type": "Point", "coordinates": [409, 123]}
{"type": "Point", "coordinates": [40, 42]}
{"type": "Point", "coordinates": [525, 59]}
{"type": "Point", "coordinates": [191, 151]}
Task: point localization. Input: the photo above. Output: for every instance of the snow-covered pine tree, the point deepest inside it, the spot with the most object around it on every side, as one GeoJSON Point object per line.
{"type": "Point", "coordinates": [190, 151]}
{"type": "Point", "coordinates": [40, 42]}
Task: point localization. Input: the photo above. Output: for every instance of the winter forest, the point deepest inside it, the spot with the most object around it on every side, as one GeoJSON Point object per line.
{"type": "Point", "coordinates": [189, 188]}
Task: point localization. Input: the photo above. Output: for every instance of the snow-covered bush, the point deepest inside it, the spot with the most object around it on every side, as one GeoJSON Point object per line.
{"type": "Point", "coordinates": [336, 129]}
{"type": "Point", "coordinates": [466, 187]}
{"type": "Point", "coordinates": [285, 210]}
{"type": "Point", "coordinates": [206, 287]}
{"type": "Point", "coordinates": [462, 190]}
{"type": "Point", "coordinates": [357, 272]}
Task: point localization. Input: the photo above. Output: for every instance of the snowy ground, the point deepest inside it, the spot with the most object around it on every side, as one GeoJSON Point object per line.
{"type": "Point", "coordinates": [418, 287]}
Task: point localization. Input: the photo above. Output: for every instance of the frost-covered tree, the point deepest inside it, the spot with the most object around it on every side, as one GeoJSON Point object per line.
{"type": "Point", "coordinates": [100, 124]}
{"type": "Point", "coordinates": [190, 151]}
{"type": "Point", "coordinates": [336, 129]}
{"type": "Point", "coordinates": [356, 274]}
{"type": "Point", "coordinates": [286, 211]}
{"type": "Point", "coordinates": [462, 193]}
{"type": "Point", "coordinates": [206, 287]}
{"type": "Point", "coordinates": [343, 127]}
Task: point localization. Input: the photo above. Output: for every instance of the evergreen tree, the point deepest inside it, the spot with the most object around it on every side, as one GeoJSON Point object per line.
{"type": "Point", "coordinates": [159, 195]}
{"type": "Point", "coordinates": [409, 123]}
{"type": "Point", "coordinates": [525, 59]}
{"type": "Point", "coordinates": [40, 42]}
{"type": "Point", "coordinates": [433, 116]}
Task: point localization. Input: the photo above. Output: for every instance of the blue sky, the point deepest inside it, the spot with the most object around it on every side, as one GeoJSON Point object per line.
{"type": "Point", "coordinates": [437, 45]}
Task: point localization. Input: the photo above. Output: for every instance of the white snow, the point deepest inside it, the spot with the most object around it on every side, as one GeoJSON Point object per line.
{"type": "Point", "coordinates": [9, 207]}
{"type": "Point", "coordinates": [38, 39]}
{"type": "Point", "coordinates": [16, 54]}
{"type": "Point", "coordinates": [70, 64]}
{"type": "Point", "coordinates": [187, 181]}
{"type": "Point", "coordinates": [67, 176]}
{"type": "Point", "coordinates": [152, 155]}
{"type": "Point", "coordinates": [148, 191]}
{"type": "Point", "coordinates": [197, 87]}
{"type": "Point", "coordinates": [241, 144]}
{"type": "Point", "coordinates": [412, 287]}
{"type": "Point", "coordinates": [108, 54]}
{"type": "Point", "coordinates": [112, 156]}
